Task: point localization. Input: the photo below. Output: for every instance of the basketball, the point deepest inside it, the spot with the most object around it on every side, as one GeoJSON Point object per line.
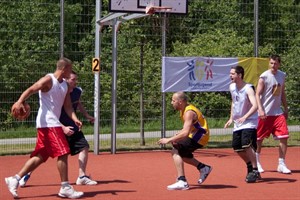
{"type": "Point", "coordinates": [21, 115]}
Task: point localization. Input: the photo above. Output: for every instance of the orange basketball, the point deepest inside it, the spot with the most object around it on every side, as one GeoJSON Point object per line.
{"type": "Point", "coordinates": [21, 115]}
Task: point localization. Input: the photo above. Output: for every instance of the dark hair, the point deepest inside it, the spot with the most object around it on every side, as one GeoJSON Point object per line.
{"type": "Point", "coordinates": [275, 57]}
{"type": "Point", "coordinates": [239, 70]}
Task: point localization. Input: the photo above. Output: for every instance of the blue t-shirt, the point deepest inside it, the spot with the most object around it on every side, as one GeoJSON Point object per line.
{"type": "Point", "coordinates": [64, 118]}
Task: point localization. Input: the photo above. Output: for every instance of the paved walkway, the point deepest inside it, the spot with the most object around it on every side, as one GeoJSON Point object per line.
{"type": "Point", "coordinates": [151, 134]}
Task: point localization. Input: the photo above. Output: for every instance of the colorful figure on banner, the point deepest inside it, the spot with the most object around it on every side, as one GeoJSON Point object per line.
{"type": "Point", "coordinates": [191, 68]}
{"type": "Point", "coordinates": [208, 68]}
{"type": "Point", "coordinates": [195, 67]}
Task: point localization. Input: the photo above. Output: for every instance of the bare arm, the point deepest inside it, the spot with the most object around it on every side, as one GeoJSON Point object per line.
{"type": "Point", "coordinates": [69, 110]}
{"type": "Point", "coordinates": [284, 101]}
{"type": "Point", "coordinates": [184, 132]}
{"type": "Point", "coordinates": [44, 84]}
{"type": "Point", "coordinates": [84, 112]}
{"type": "Point", "coordinates": [259, 91]}
{"type": "Point", "coordinates": [229, 122]}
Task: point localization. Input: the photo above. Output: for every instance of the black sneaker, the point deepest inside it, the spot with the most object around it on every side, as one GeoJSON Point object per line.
{"type": "Point", "coordinates": [252, 176]}
{"type": "Point", "coordinates": [257, 174]}
{"type": "Point", "coordinates": [204, 172]}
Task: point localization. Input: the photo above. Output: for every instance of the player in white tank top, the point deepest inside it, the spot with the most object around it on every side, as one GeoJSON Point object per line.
{"type": "Point", "coordinates": [244, 115]}
{"type": "Point", "coordinates": [50, 109]}
{"type": "Point", "coordinates": [241, 105]}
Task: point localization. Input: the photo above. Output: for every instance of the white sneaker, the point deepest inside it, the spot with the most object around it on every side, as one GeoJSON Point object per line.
{"type": "Point", "coordinates": [85, 180]}
{"type": "Point", "coordinates": [69, 192]}
{"type": "Point", "coordinates": [179, 185]}
{"type": "Point", "coordinates": [259, 167]}
{"type": "Point", "coordinates": [24, 180]}
{"type": "Point", "coordinates": [283, 169]}
{"type": "Point", "coordinates": [12, 184]}
{"type": "Point", "coordinates": [204, 172]}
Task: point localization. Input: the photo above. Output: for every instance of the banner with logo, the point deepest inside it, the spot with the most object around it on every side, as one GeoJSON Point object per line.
{"type": "Point", "coordinates": [194, 74]}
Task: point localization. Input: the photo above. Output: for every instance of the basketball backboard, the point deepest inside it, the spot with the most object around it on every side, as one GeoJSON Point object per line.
{"type": "Point", "coordinates": [139, 6]}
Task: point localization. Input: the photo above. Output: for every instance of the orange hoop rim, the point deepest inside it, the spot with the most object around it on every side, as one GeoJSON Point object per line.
{"type": "Point", "coordinates": [152, 9]}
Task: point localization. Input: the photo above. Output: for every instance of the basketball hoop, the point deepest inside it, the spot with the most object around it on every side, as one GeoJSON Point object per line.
{"type": "Point", "coordinates": [152, 9]}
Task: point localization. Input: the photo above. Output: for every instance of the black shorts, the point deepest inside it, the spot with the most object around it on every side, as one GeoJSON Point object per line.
{"type": "Point", "coordinates": [186, 147]}
{"type": "Point", "coordinates": [244, 138]}
{"type": "Point", "coordinates": [77, 142]}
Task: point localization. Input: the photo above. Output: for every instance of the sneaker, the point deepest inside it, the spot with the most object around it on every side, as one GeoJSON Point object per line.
{"type": "Point", "coordinates": [204, 172]}
{"type": "Point", "coordinates": [12, 184]}
{"type": "Point", "coordinates": [179, 185]}
{"type": "Point", "coordinates": [23, 180]}
{"type": "Point", "coordinates": [260, 169]}
{"type": "Point", "coordinates": [283, 169]}
{"type": "Point", "coordinates": [69, 192]}
{"type": "Point", "coordinates": [252, 176]}
{"type": "Point", "coordinates": [85, 180]}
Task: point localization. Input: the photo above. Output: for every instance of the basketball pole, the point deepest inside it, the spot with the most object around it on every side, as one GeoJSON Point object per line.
{"type": "Point", "coordinates": [97, 81]}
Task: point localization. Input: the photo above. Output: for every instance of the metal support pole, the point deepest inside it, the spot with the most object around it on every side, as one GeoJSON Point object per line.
{"type": "Point", "coordinates": [114, 87]}
{"type": "Point", "coordinates": [163, 128]}
{"type": "Point", "coordinates": [97, 82]}
{"type": "Point", "coordinates": [142, 129]}
{"type": "Point", "coordinates": [256, 27]}
{"type": "Point", "coordinates": [62, 24]}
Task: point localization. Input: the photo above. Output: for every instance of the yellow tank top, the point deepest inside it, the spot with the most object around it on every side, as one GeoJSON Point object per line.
{"type": "Point", "coordinates": [200, 130]}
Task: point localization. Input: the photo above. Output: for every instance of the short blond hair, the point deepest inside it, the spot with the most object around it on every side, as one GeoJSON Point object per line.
{"type": "Point", "coordinates": [63, 62]}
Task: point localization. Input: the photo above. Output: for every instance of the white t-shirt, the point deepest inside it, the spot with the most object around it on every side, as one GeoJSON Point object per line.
{"type": "Point", "coordinates": [51, 103]}
{"type": "Point", "coordinates": [241, 105]}
{"type": "Point", "coordinates": [271, 96]}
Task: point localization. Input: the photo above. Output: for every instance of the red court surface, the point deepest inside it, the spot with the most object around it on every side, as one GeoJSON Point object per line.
{"type": "Point", "coordinates": [145, 175]}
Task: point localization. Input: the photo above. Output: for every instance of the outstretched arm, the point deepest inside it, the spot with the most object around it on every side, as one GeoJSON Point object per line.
{"type": "Point", "coordinates": [259, 91]}
{"type": "Point", "coordinates": [84, 112]}
{"type": "Point", "coordinates": [184, 132]}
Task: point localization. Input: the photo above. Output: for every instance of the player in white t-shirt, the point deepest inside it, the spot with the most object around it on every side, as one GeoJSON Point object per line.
{"type": "Point", "coordinates": [270, 96]}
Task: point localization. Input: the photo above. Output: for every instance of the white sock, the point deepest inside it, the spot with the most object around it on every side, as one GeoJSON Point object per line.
{"type": "Point", "coordinates": [65, 184]}
{"type": "Point", "coordinates": [257, 157]}
{"type": "Point", "coordinates": [281, 161]}
{"type": "Point", "coordinates": [17, 177]}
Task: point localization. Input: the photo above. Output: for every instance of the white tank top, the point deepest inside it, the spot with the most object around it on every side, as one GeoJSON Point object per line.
{"type": "Point", "coordinates": [51, 103]}
{"type": "Point", "coordinates": [271, 96]}
{"type": "Point", "coordinates": [241, 105]}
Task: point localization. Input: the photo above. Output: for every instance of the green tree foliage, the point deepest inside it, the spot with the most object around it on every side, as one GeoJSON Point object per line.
{"type": "Point", "coordinates": [30, 46]}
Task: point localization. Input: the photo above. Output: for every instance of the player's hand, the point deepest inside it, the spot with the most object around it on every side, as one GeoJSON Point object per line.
{"type": "Point", "coordinates": [78, 123]}
{"type": "Point", "coordinates": [163, 141]}
{"type": "Point", "coordinates": [68, 130]}
{"type": "Point", "coordinates": [262, 114]}
{"type": "Point", "coordinates": [91, 119]}
{"type": "Point", "coordinates": [241, 120]}
{"type": "Point", "coordinates": [18, 106]}
{"type": "Point", "coordinates": [228, 123]}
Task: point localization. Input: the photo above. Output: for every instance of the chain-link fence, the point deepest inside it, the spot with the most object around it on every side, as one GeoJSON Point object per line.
{"type": "Point", "coordinates": [30, 44]}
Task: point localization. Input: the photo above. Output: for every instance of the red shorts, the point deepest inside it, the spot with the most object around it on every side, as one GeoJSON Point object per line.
{"type": "Point", "coordinates": [272, 124]}
{"type": "Point", "coordinates": [51, 142]}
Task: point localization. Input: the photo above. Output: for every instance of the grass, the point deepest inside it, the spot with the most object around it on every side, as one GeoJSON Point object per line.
{"type": "Point", "coordinates": [173, 123]}
{"type": "Point", "coordinates": [216, 141]}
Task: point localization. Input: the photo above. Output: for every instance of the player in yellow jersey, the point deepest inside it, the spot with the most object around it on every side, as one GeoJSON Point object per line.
{"type": "Point", "coordinates": [194, 135]}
